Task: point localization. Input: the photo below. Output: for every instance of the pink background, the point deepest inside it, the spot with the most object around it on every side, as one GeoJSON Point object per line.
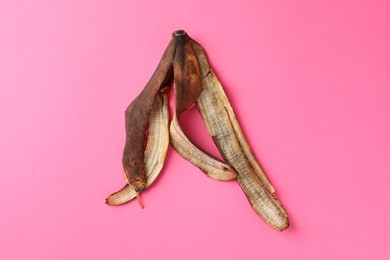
{"type": "Point", "coordinates": [309, 81]}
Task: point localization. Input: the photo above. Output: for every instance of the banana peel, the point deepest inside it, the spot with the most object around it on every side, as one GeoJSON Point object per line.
{"type": "Point", "coordinates": [185, 63]}
{"type": "Point", "coordinates": [225, 130]}
{"type": "Point", "coordinates": [155, 152]}
{"type": "Point", "coordinates": [137, 118]}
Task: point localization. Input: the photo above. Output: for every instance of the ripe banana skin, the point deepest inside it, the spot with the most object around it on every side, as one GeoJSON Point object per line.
{"type": "Point", "coordinates": [187, 80]}
{"type": "Point", "coordinates": [155, 152]}
{"type": "Point", "coordinates": [223, 126]}
{"type": "Point", "coordinates": [184, 61]}
{"type": "Point", "coordinates": [211, 166]}
{"type": "Point", "coordinates": [137, 117]}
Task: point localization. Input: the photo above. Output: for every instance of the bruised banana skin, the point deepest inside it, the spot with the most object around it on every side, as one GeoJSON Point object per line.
{"type": "Point", "coordinates": [137, 116]}
{"type": "Point", "coordinates": [155, 152]}
{"type": "Point", "coordinates": [213, 168]}
{"type": "Point", "coordinates": [186, 76]}
{"type": "Point", "coordinates": [222, 125]}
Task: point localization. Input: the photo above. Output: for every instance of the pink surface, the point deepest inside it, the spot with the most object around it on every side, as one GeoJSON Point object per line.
{"type": "Point", "coordinates": [309, 81]}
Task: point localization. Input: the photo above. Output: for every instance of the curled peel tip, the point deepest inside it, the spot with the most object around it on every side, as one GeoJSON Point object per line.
{"type": "Point", "coordinates": [284, 227]}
